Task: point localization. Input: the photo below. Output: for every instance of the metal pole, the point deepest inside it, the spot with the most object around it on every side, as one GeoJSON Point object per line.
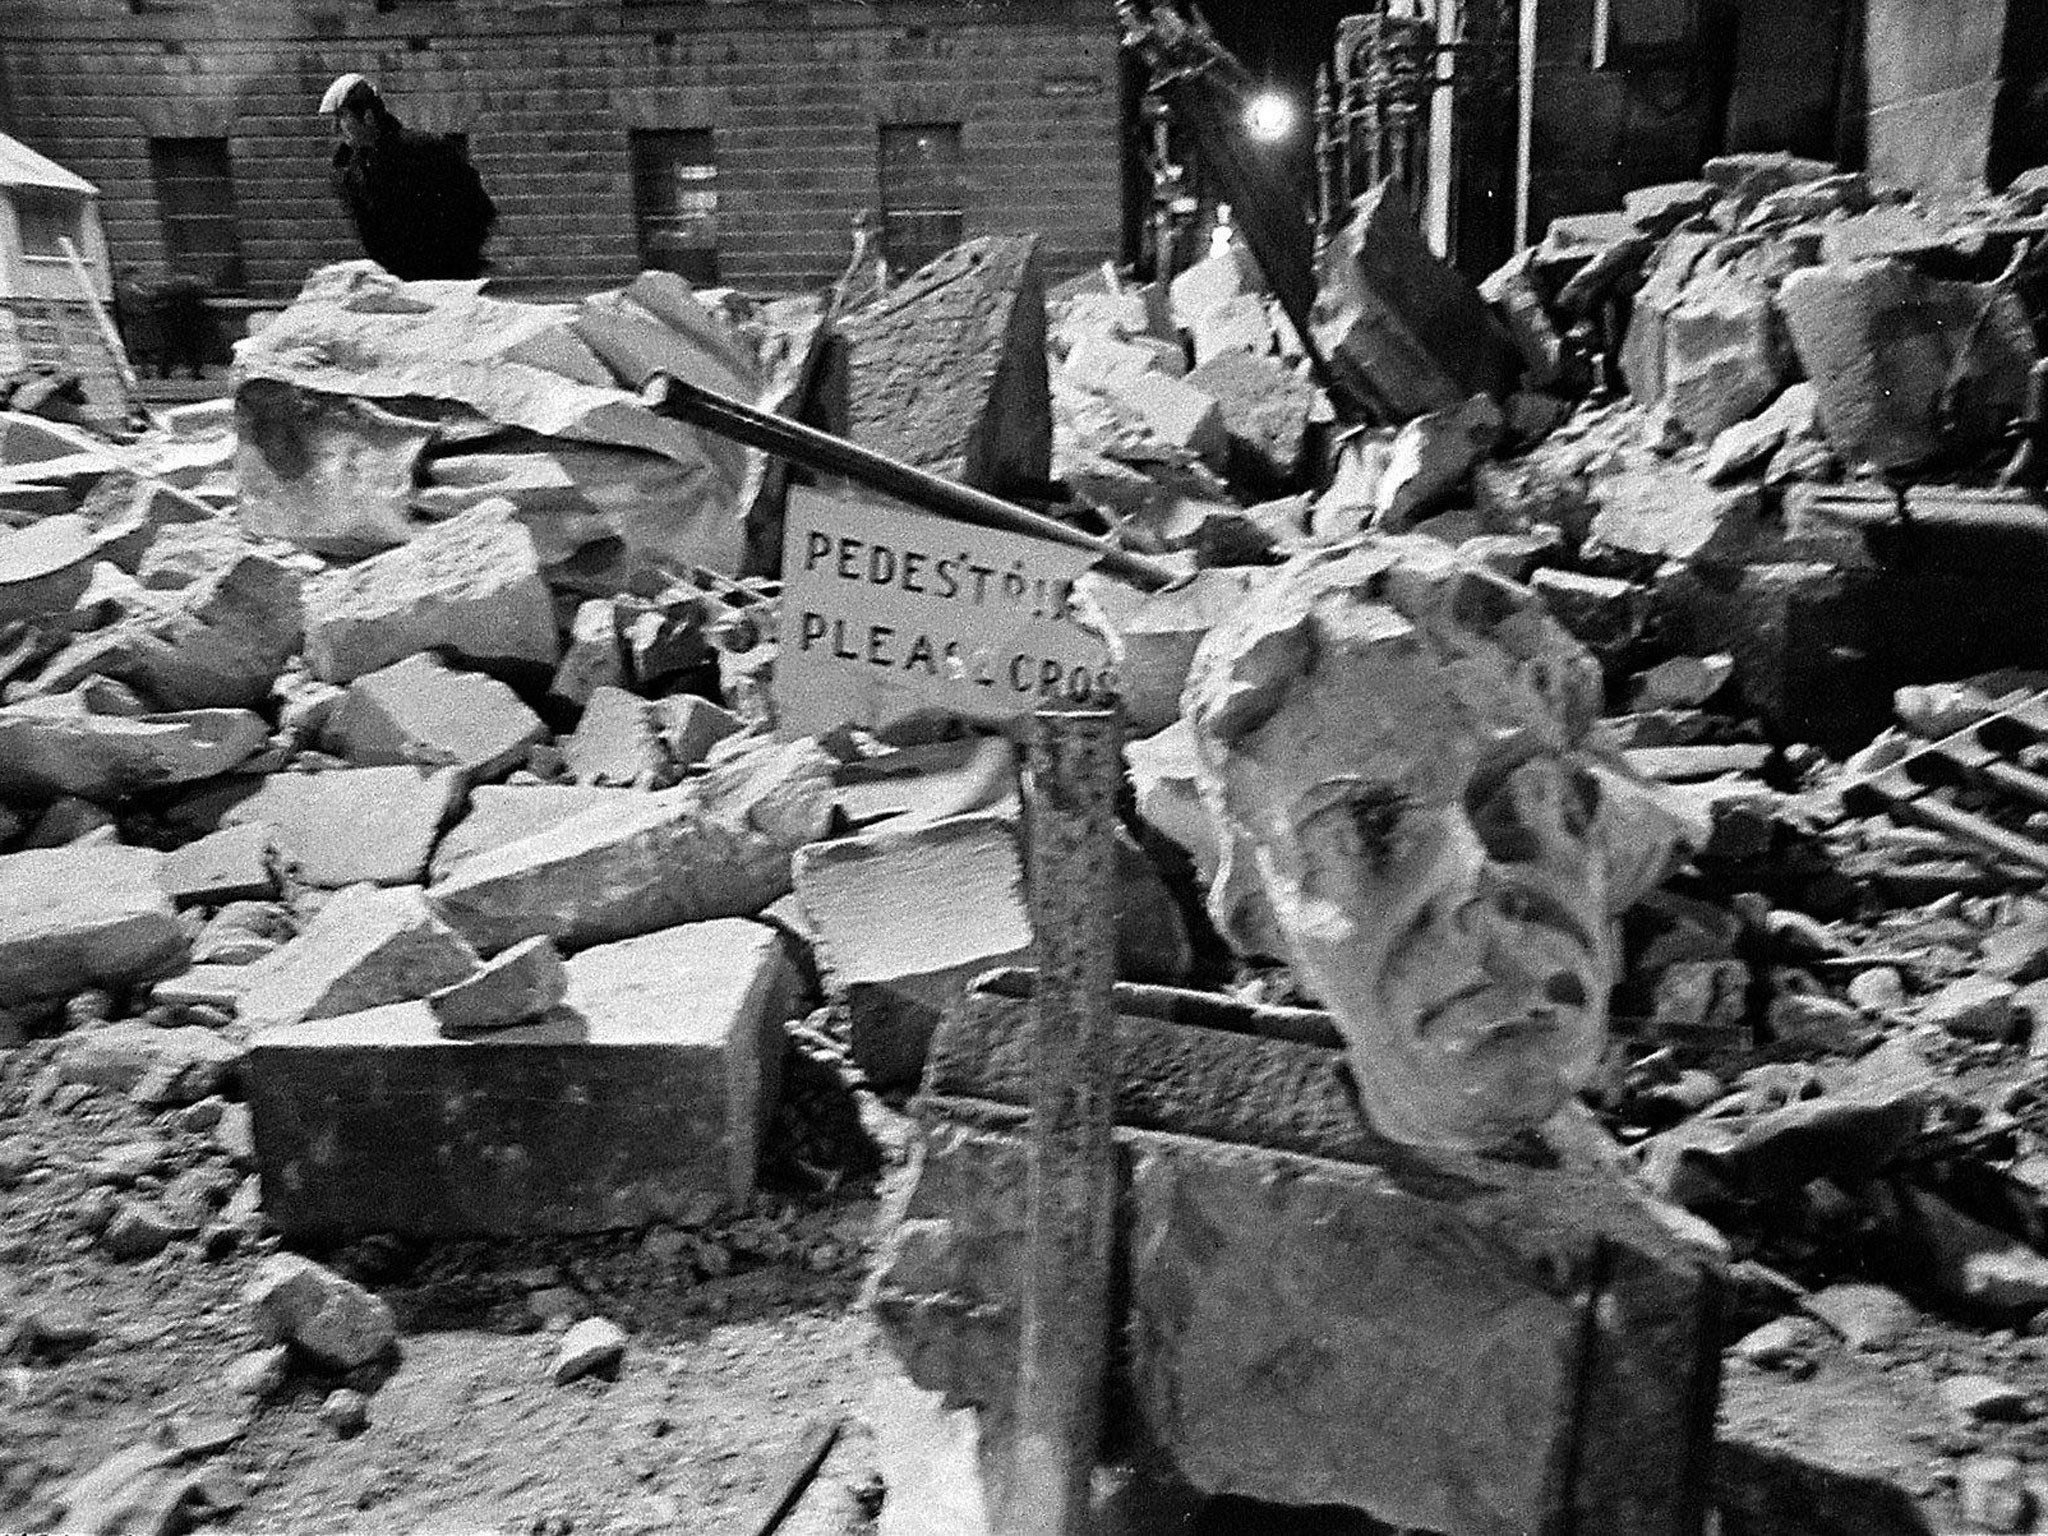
{"type": "Point", "coordinates": [1071, 1190]}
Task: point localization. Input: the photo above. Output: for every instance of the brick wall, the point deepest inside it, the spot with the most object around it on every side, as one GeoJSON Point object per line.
{"type": "Point", "coordinates": [547, 91]}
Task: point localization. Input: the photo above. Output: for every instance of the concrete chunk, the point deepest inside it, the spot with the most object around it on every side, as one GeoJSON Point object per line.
{"type": "Point", "coordinates": [949, 371]}
{"type": "Point", "coordinates": [368, 946]}
{"type": "Point", "coordinates": [84, 916]}
{"type": "Point", "coordinates": [471, 585]}
{"type": "Point", "coordinates": [719, 846]}
{"type": "Point", "coordinates": [647, 1090]}
{"type": "Point", "coordinates": [418, 711]}
{"type": "Point", "coordinates": [898, 956]}
{"type": "Point", "coordinates": [351, 825]}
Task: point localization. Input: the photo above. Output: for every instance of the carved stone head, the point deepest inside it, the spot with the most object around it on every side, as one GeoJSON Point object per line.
{"type": "Point", "coordinates": [1392, 742]}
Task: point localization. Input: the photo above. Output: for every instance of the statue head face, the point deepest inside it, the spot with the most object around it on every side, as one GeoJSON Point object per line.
{"type": "Point", "coordinates": [1392, 743]}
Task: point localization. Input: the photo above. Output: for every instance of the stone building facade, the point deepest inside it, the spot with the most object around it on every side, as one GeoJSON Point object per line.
{"type": "Point", "coordinates": [732, 141]}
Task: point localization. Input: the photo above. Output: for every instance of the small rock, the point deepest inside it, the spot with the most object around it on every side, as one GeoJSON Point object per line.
{"type": "Point", "coordinates": [594, 1345]}
{"type": "Point", "coordinates": [556, 1304]}
{"type": "Point", "coordinates": [1993, 1493]}
{"type": "Point", "coordinates": [1776, 1343]}
{"type": "Point", "coordinates": [1881, 989]}
{"type": "Point", "coordinates": [1812, 1021]}
{"type": "Point", "coordinates": [57, 1330]}
{"type": "Point", "coordinates": [198, 1119]}
{"type": "Point", "coordinates": [1683, 682]}
{"type": "Point", "coordinates": [331, 1319]}
{"type": "Point", "coordinates": [259, 1373]}
{"type": "Point", "coordinates": [346, 1412]}
{"type": "Point", "coordinates": [236, 1135]}
{"type": "Point", "coordinates": [140, 1229]}
{"type": "Point", "coordinates": [1976, 1008]}
{"type": "Point", "coordinates": [1866, 1316]}
{"type": "Point", "coordinates": [1977, 1398]}
{"type": "Point", "coordinates": [121, 1166]}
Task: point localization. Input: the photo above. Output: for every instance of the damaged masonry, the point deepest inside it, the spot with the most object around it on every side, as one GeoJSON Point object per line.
{"type": "Point", "coordinates": [1279, 887]}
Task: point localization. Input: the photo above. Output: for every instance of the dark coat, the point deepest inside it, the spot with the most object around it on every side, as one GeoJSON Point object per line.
{"type": "Point", "coordinates": [418, 205]}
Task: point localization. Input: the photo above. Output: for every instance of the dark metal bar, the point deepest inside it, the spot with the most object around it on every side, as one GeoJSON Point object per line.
{"type": "Point", "coordinates": [681, 400]}
{"type": "Point", "coordinates": [1071, 1193]}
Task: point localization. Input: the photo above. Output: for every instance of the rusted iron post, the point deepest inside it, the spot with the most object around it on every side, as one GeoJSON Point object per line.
{"type": "Point", "coordinates": [1075, 768]}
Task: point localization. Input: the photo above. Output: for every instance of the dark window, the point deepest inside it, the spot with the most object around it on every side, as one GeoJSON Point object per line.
{"type": "Point", "coordinates": [195, 194]}
{"type": "Point", "coordinates": [47, 220]}
{"type": "Point", "coordinates": [923, 195]}
{"type": "Point", "coordinates": [675, 201]}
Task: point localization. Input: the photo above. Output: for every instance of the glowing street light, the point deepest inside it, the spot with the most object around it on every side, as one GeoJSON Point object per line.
{"type": "Point", "coordinates": [1269, 117]}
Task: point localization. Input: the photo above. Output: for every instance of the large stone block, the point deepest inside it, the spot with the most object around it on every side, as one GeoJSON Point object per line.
{"type": "Point", "coordinates": [948, 371]}
{"type": "Point", "coordinates": [719, 846]}
{"type": "Point", "coordinates": [367, 947]}
{"type": "Point", "coordinates": [647, 1090]}
{"type": "Point", "coordinates": [471, 585]}
{"type": "Point", "coordinates": [905, 917]}
{"type": "Point", "coordinates": [1315, 1316]}
{"type": "Point", "coordinates": [418, 711]}
{"type": "Point", "coordinates": [84, 916]}
{"type": "Point", "coordinates": [351, 825]}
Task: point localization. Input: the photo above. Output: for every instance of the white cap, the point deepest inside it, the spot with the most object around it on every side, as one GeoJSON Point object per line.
{"type": "Point", "coordinates": [337, 93]}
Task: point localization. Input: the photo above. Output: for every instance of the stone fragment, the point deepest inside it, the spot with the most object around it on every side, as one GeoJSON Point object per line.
{"type": "Point", "coordinates": [719, 846]}
{"type": "Point", "coordinates": [1430, 457]}
{"type": "Point", "coordinates": [1812, 1021]}
{"type": "Point", "coordinates": [185, 553]}
{"type": "Point", "coordinates": [240, 932]}
{"type": "Point", "coordinates": [177, 1066]}
{"type": "Point", "coordinates": [1100, 362]}
{"type": "Point", "coordinates": [593, 658]}
{"type": "Point", "coordinates": [691, 726]}
{"type": "Point", "coordinates": [258, 1373]}
{"type": "Point", "coordinates": [1885, 345]}
{"type": "Point", "coordinates": [59, 746]}
{"type": "Point", "coordinates": [897, 959]}
{"type": "Point", "coordinates": [1983, 1398]}
{"type": "Point", "coordinates": [70, 819]}
{"type": "Point", "coordinates": [1723, 352]}
{"type": "Point", "coordinates": [649, 1089]}
{"type": "Point", "coordinates": [525, 981]}
{"type": "Point", "coordinates": [84, 916]}
{"type": "Point", "coordinates": [1236, 325]}
{"type": "Point", "coordinates": [1866, 1316]}
{"type": "Point", "coordinates": [1778, 1342]}
{"type": "Point", "coordinates": [331, 1320]}
{"type": "Point", "coordinates": [471, 586]}
{"type": "Point", "coordinates": [1601, 612]}
{"type": "Point", "coordinates": [948, 371]}
{"type": "Point", "coordinates": [1266, 411]}
{"type": "Point", "coordinates": [351, 825]}
{"type": "Point", "coordinates": [1745, 446]}
{"type": "Point", "coordinates": [618, 742]}
{"type": "Point", "coordinates": [1881, 989]}
{"type": "Point", "coordinates": [2017, 950]}
{"type": "Point", "coordinates": [1400, 327]}
{"type": "Point", "coordinates": [1682, 682]}
{"type": "Point", "coordinates": [1994, 1493]}
{"type": "Point", "coordinates": [45, 567]}
{"type": "Point", "coordinates": [418, 711]}
{"type": "Point", "coordinates": [368, 946]}
{"type": "Point", "coordinates": [1703, 1000]}
{"type": "Point", "coordinates": [141, 1229]}
{"type": "Point", "coordinates": [345, 1412]}
{"type": "Point", "coordinates": [210, 986]}
{"type": "Point", "coordinates": [505, 813]}
{"type": "Point", "coordinates": [226, 866]}
{"type": "Point", "coordinates": [1974, 1007]}
{"type": "Point", "coordinates": [1208, 284]}
{"type": "Point", "coordinates": [1962, 1258]}
{"type": "Point", "coordinates": [1647, 516]}
{"type": "Point", "coordinates": [1181, 416]}
{"type": "Point", "coordinates": [593, 1347]}
{"type": "Point", "coordinates": [1153, 637]}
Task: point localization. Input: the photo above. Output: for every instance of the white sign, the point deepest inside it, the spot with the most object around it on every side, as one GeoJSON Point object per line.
{"type": "Point", "coordinates": [891, 615]}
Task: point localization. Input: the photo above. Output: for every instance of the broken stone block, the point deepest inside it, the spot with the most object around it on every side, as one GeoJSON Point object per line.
{"type": "Point", "coordinates": [1659, 209]}
{"type": "Point", "coordinates": [1235, 325]}
{"type": "Point", "coordinates": [167, 1066]}
{"type": "Point", "coordinates": [1600, 612]}
{"type": "Point", "coordinates": [1099, 363]}
{"type": "Point", "coordinates": [1887, 350]}
{"type": "Point", "coordinates": [1265, 409]}
{"type": "Point", "coordinates": [648, 1090]}
{"type": "Point", "coordinates": [691, 726]}
{"type": "Point", "coordinates": [332, 1320]}
{"type": "Point", "coordinates": [1748, 445]}
{"type": "Point", "coordinates": [1967, 1261]}
{"type": "Point", "coordinates": [1975, 1007]}
{"type": "Point", "coordinates": [1682, 682]}
{"type": "Point", "coordinates": [948, 371]}
{"type": "Point", "coordinates": [593, 1347]}
{"type": "Point", "coordinates": [86, 916]}
{"type": "Point", "coordinates": [1866, 1316]}
{"type": "Point", "coordinates": [418, 711]}
{"type": "Point", "coordinates": [593, 658]}
{"type": "Point", "coordinates": [68, 819]}
{"type": "Point", "coordinates": [1163, 775]}
{"type": "Point", "coordinates": [1153, 637]}
{"type": "Point", "coordinates": [504, 813]}
{"type": "Point", "coordinates": [1247, 1187]}
{"type": "Point", "coordinates": [351, 825]}
{"type": "Point", "coordinates": [1516, 298]}
{"type": "Point", "coordinates": [1210, 283]}
{"type": "Point", "coordinates": [45, 567]}
{"type": "Point", "coordinates": [719, 846]}
{"type": "Point", "coordinates": [1403, 330]}
{"type": "Point", "coordinates": [1179, 414]}
{"type": "Point", "coordinates": [230, 865]}
{"type": "Point", "coordinates": [368, 946]}
{"type": "Point", "coordinates": [1722, 352]}
{"type": "Point", "coordinates": [617, 742]}
{"type": "Point", "coordinates": [897, 959]}
{"type": "Point", "coordinates": [928, 783]}
{"type": "Point", "coordinates": [184, 554]}
{"type": "Point", "coordinates": [520, 984]}
{"type": "Point", "coordinates": [470, 586]}
{"type": "Point", "coordinates": [1429, 458]}
{"type": "Point", "coordinates": [1650, 515]}
{"type": "Point", "coordinates": [219, 643]}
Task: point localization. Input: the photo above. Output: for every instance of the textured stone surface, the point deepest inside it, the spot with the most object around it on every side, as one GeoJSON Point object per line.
{"type": "Point", "coordinates": [898, 954]}
{"type": "Point", "coordinates": [948, 372]}
{"type": "Point", "coordinates": [1417, 1336]}
{"type": "Point", "coordinates": [350, 825]}
{"type": "Point", "coordinates": [57, 745]}
{"type": "Point", "coordinates": [418, 711]}
{"type": "Point", "coordinates": [719, 846]}
{"type": "Point", "coordinates": [648, 1089]}
{"type": "Point", "coordinates": [471, 585]}
{"type": "Point", "coordinates": [78, 917]}
{"type": "Point", "coordinates": [504, 813]}
{"type": "Point", "coordinates": [327, 1317]}
{"type": "Point", "coordinates": [368, 946]}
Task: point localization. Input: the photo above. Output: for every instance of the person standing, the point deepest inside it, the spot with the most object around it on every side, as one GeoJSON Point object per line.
{"type": "Point", "coordinates": [417, 204]}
